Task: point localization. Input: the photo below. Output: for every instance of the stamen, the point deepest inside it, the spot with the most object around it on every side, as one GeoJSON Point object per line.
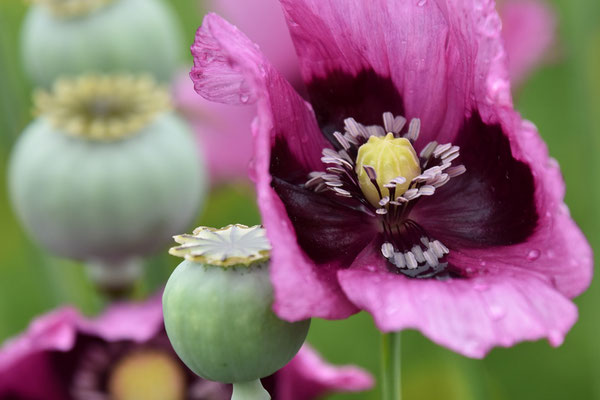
{"type": "Point", "coordinates": [440, 149]}
{"type": "Point", "coordinates": [453, 172]}
{"type": "Point", "coordinates": [411, 262]}
{"type": "Point", "coordinates": [342, 140]}
{"type": "Point", "coordinates": [387, 249]}
{"type": "Point", "coordinates": [426, 190]}
{"type": "Point", "coordinates": [399, 260]}
{"type": "Point", "coordinates": [375, 130]}
{"type": "Point", "coordinates": [388, 122]}
{"type": "Point", "coordinates": [413, 130]}
{"type": "Point", "coordinates": [383, 202]}
{"type": "Point", "coordinates": [428, 150]}
{"type": "Point", "coordinates": [355, 129]}
{"type": "Point", "coordinates": [378, 166]}
{"type": "Point", "coordinates": [370, 172]}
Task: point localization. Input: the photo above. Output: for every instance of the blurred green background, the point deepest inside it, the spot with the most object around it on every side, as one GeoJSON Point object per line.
{"type": "Point", "coordinates": [562, 99]}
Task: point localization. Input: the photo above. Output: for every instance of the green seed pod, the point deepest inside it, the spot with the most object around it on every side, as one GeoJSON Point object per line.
{"type": "Point", "coordinates": [107, 172]}
{"type": "Point", "coordinates": [217, 307]}
{"type": "Point", "coordinates": [71, 37]}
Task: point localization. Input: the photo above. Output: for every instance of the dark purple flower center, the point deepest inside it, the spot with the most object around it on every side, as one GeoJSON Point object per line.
{"type": "Point", "coordinates": [409, 249]}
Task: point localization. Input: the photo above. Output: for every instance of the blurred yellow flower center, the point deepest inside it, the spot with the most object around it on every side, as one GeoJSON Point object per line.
{"type": "Point", "coordinates": [147, 375]}
{"type": "Point", "coordinates": [72, 8]}
{"type": "Point", "coordinates": [103, 107]}
{"type": "Point", "coordinates": [390, 158]}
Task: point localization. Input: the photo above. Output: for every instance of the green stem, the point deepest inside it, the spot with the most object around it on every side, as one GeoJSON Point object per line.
{"type": "Point", "coordinates": [115, 280]}
{"type": "Point", "coordinates": [252, 390]}
{"type": "Point", "coordinates": [390, 366]}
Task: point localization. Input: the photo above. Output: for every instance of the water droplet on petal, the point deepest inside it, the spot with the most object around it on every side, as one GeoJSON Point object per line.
{"type": "Point", "coordinates": [533, 254]}
{"type": "Point", "coordinates": [497, 312]}
{"type": "Point", "coordinates": [244, 98]}
{"type": "Point", "coordinates": [421, 3]}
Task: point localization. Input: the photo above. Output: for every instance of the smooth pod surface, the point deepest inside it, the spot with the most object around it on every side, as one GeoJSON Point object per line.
{"type": "Point", "coordinates": [112, 200]}
{"type": "Point", "coordinates": [220, 322]}
{"type": "Point", "coordinates": [124, 36]}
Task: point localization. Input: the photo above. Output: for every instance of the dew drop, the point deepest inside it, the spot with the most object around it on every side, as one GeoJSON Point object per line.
{"type": "Point", "coordinates": [244, 98]}
{"type": "Point", "coordinates": [497, 312]}
{"type": "Point", "coordinates": [533, 254]}
{"type": "Point", "coordinates": [209, 56]}
{"type": "Point", "coordinates": [421, 3]}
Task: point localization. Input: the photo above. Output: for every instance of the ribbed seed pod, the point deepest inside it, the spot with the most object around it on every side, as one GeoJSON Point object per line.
{"type": "Point", "coordinates": [106, 172]}
{"type": "Point", "coordinates": [68, 37]}
{"type": "Point", "coordinates": [217, 307]}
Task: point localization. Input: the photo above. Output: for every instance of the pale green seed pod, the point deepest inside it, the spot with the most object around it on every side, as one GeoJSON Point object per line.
{"type": "Point", "coordinates": [217, 307]}
{"type": "Point", "coordinates": [69, 37]}
{"type": "Point", "coordinates": [106, 173]}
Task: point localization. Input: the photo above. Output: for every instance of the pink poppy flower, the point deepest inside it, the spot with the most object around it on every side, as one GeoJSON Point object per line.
{"type": "Point", "coordinates": [528, 30]}
{"type": "Point", "coordinates": [125, 353]}
{"type": "Point", "coordinates": [474, 247]}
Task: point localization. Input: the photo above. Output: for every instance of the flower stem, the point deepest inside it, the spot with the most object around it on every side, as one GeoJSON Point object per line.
{"type": "Point", "coordinates": [115, 280]}
{"type": "Point", "coordinates": [390, 366]}
{"type": "Point", "coordinates": [252, 390]}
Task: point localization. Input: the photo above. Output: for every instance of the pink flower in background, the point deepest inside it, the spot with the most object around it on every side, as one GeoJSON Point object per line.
{"type": "Point", "coordinates": [225, 129]}
{"type": "Point", "coordinates": [125, 354]}
{"type": "Point", "coordinates": [528, 30]}
{"type": "Point", "coordinates": [480, 251]}
{"type": "Point", "coordinates": [224, 132]}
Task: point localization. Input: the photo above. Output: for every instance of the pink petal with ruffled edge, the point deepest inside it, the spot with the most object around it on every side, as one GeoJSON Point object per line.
{"type": "Point", "coordinates": [469, 316]}
{"type": "Point", "coordinates": [557, 251]}
{"type": "Point", "coordinates": [528, 30]}
{"type": "Point", "coordinates": [229, 68]}
{"type": "Point", "coordinates": [308, 376]}
{"type": "Point", "coordinates": [223, 130]}
{"type": "Point", "coordinates": [138, 322]}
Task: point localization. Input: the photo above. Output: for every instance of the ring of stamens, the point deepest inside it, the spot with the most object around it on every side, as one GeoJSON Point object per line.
{"type": "Point", "coordinates": [72, 8]}
{"type": "Point", "coordinates": [234, 245]}
{"type": "Point", "coordinates": [102, 107]}
{"type": "Point", "coordinates": [406, 245]}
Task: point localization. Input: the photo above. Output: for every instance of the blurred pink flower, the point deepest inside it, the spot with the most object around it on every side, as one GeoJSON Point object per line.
{"type": "Point", "coordinates": [528, 30]}
{"type": "Point", "coordinates": [224, 129]}
{"type": "Point", "coordinates": [488, 258]}
{"type": "Point", "coordinates": [64, 355]}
